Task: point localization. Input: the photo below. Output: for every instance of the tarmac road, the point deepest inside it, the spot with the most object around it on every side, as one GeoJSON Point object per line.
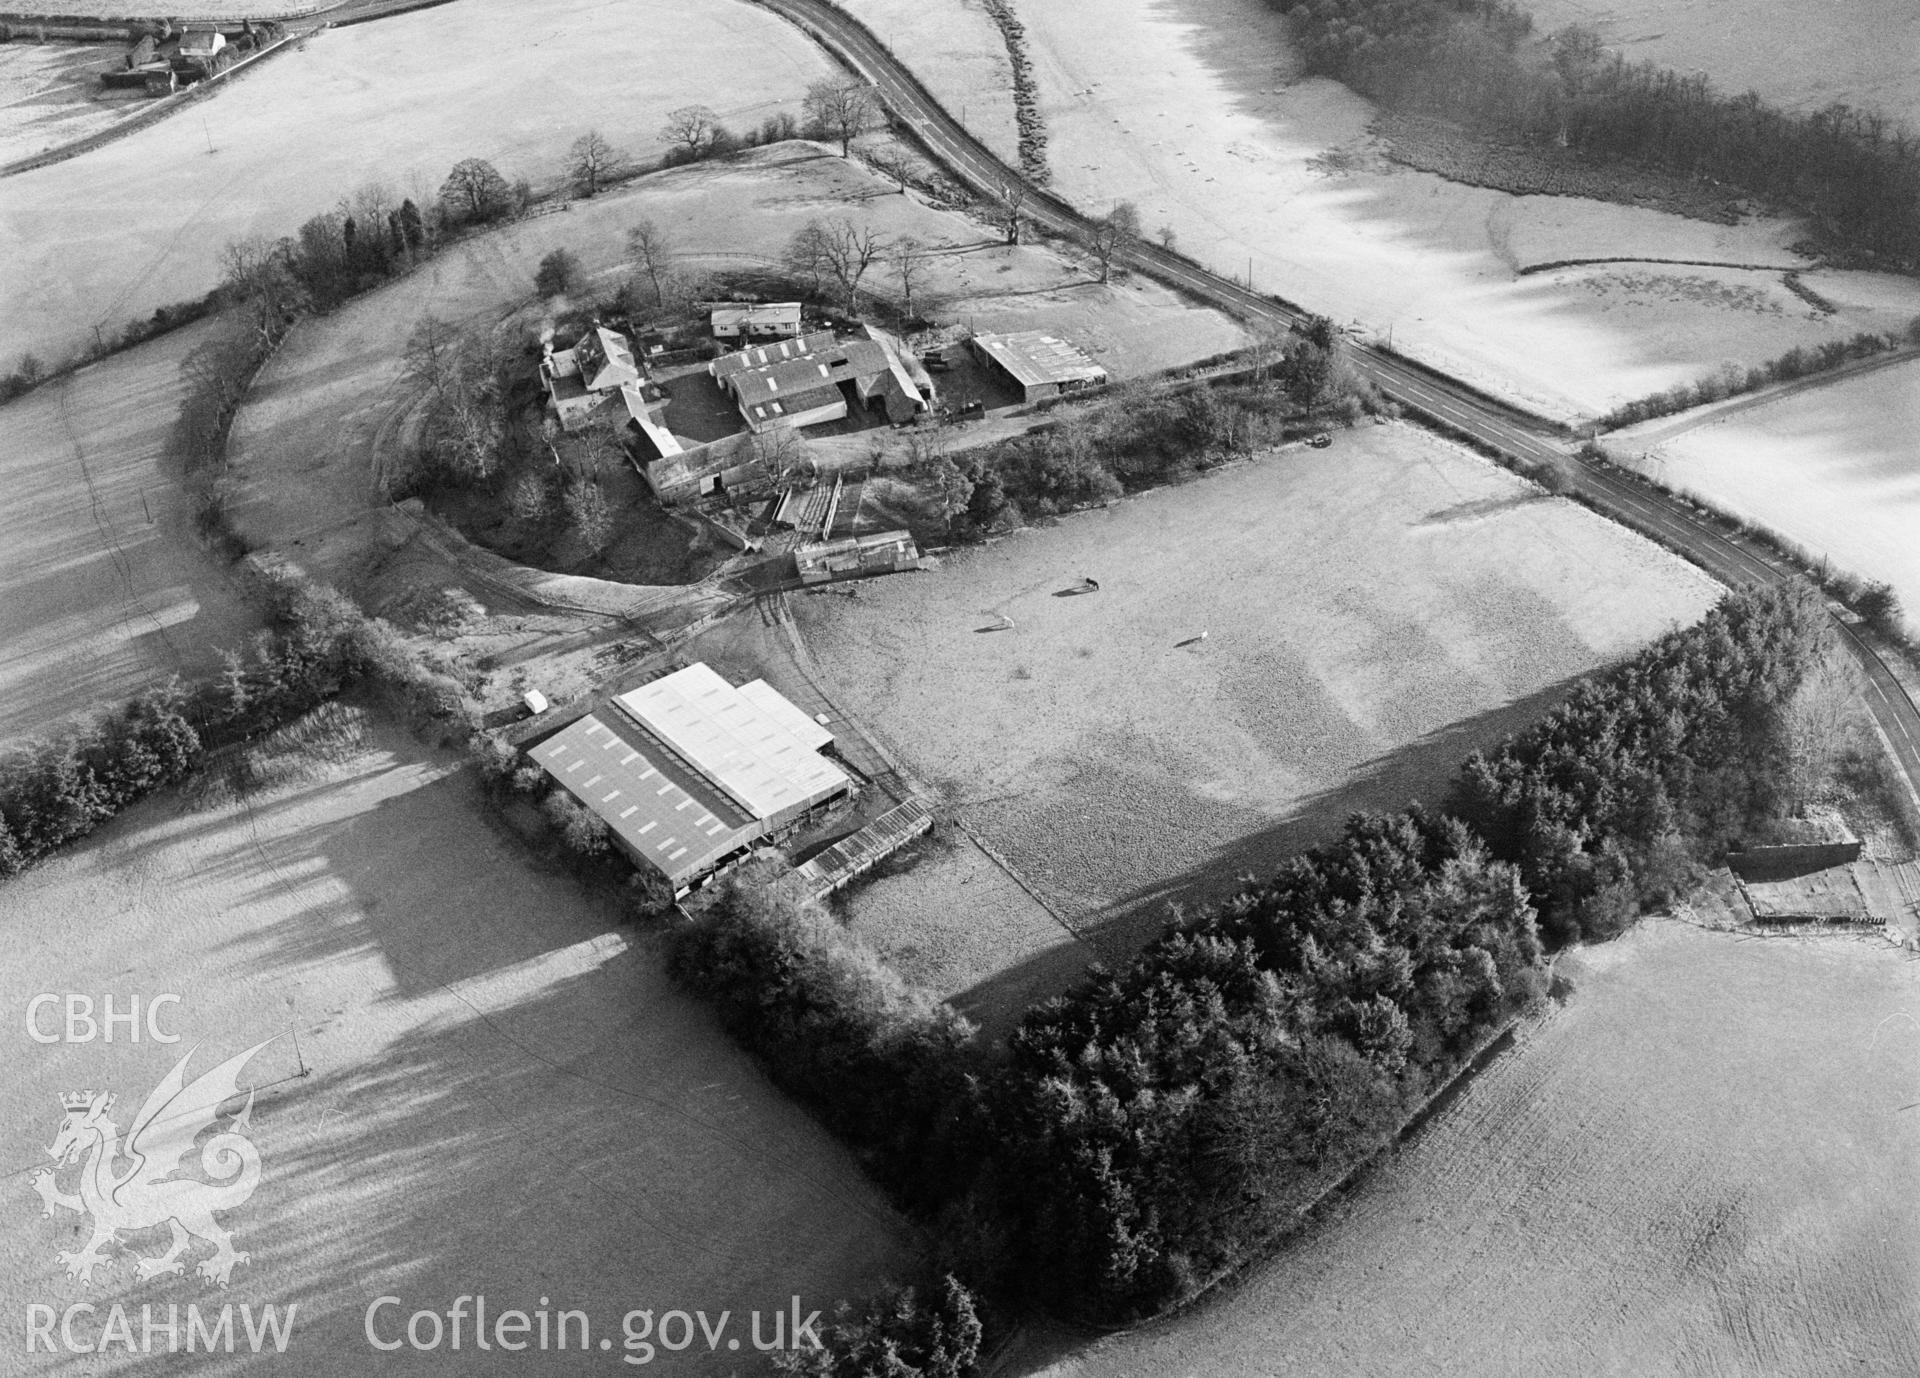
{"type": "Point", "coordinates": [1433, 395]}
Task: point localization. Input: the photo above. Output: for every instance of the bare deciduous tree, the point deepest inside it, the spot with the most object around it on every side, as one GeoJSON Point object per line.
{"type": "Point", "coordinates": [782, 451]}
{"type": "Point", "coordinates": [949, 485]}
{"type": "Point", "coordinates": [908, 258]}
{"type": "Point", "coordinates": [219, 366]}
{"type": "Point", "coordinates": [590, 514]}
{"type": "Point", "coordinates": [807, 255]}
{"type": "Point", "coordinates": [1008, 210]}
{"type": "Point", "coordinates": [530, 499]}
{"type": "Point", "coordinates": [475, 190]}
{"type": "Point", "coordinates": [592, 162]}
{"type": "Point", "coordinates": [600, 449]}
{"type": "Point", "coordinates": [652, 254]}
{"type": "Point", "coordinates": [691, 127]}
{"type": "Point", "coordinates": [1109, 237]}
{"type": "Point", "coordinates": [892, 164]}
{"type": "Point", "coordinates": [1820, 725]}
{"type": "Point", "coordinates": [841, 108]}
{"type": "Point", "coordinates": [432, 353]}
{"type": "Point", "coordinates": [258, 281]}
{"type": "Point", "coordinates": [468, 443]}
{"type": "Point", "coordinates": [850, 250]}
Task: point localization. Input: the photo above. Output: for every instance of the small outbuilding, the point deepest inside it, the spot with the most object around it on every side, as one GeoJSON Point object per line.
{"type": "Point", "coordinates": [756, 321]}
{"type": "Point", "coordinates": [1040, 365]}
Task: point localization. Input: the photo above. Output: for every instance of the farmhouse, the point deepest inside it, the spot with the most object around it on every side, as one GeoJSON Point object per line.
{"type": "Point", "coordinates": [599, 371]}
{"type": "Point", "coordinates": [812, 379]}
{"type": "Point", "coordinates": [1040, 365]}
{"type": "Point", "coordinates": [743, 320]}
{"type": "Point", "coordinates": [689, 771]}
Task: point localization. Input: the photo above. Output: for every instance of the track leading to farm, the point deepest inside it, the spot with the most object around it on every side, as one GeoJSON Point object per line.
{"type": "Point", "coordinates": [1427, 392]}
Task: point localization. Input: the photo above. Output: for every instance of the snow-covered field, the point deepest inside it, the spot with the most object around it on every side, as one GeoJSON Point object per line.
{"type": "Point", "coordinates": [398, 102]}
{"type": "Point", "coordinates": [1800, 56]}
{"type": "Point", "coordinates": [216, 10]}
{"type": "Point", "coordinates": [1194, 112]}
{"type": "Point", "coordinates": [50, 93]}
{"type": "Point", "coordinates": [954, 48]}
{"type": "Point", "coordinates": [104, 588]}
{"type": "Point", "coordinates": [480, 1081]}
{"type": "Point", "coordinates": [1372, 613]}
{"type": "Point", "coordinates": [1835, 468]}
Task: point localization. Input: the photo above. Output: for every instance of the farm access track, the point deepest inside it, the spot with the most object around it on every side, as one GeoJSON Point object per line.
{"type": "Point", "coordinates": [1441, 401]}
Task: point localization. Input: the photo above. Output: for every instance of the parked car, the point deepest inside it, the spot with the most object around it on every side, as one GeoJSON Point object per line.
{"type": "Point", "coordinates": [1320, 440]}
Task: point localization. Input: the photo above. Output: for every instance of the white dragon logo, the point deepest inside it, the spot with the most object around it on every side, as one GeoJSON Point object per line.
{"type": "Point", "coordinates": [147, 1194]}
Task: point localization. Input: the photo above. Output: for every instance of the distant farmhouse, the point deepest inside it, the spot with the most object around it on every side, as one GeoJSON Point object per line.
{"type": "Point", "coordinates": [689, 772]}
{"type": "Point", "coordinates": [1040, 365]}
{"type": "Point", "coordinates": [812, 379]}
{"type": "Point", "coordinates": [599, 376]}
{"type": "Point", "coordinates": [746, 321]}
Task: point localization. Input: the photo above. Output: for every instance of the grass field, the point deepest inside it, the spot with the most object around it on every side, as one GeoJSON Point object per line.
{"type": "Point", "coordinates": [1372, 612]}
{"type": "Point", "coordinates": [399, 102]}
{"type": "Point", "coordinates": [103, 586]}
{"type": "Point", "coordinates": [481, 1082]}
{"type": "Point", "coordinates": [1833, 468]}
{"type": "Point", "coordinates": [1697, 1166]}
{"type": "Point", "coordinates": [1195, 112]}
{"type": "Point", "coordinates": [1797, 56]}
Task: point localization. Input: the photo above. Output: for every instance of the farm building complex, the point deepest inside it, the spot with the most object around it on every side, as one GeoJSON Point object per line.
{"type": "Point", "coordinates": [689, 771]}
{"type": "Point", "coordinates": [1041, 366]}
{"type": "Point", "coordinates": [812, 379]}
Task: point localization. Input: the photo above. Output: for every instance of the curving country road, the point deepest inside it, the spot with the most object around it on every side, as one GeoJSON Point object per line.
{"type": "Point", "coordinates": [1482, 419]}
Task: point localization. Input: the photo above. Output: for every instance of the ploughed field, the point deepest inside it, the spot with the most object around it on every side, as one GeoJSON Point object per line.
{"type": "Point", "coordinates": [481, 1081]}
{"type": "Point", "coordinates": [1270, 648]}
{"type": "Point", "coordinates": [1702, 1163]}
{"type": "Point", "coordinates": [104, 588]}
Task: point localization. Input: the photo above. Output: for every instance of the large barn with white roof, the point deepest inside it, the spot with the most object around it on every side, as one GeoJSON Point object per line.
{"type": "Point", "coordinates": [689, 771]}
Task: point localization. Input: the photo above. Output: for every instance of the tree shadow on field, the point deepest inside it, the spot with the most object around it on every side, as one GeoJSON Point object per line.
{"type": "Point", "coordinates": [440, 910]}
{"type": "Point", "coordinates": [587, 1140]}
{"type": "Point", "coordinates": [1420, 771]}
{"type": "Point", "coordinates": [1245, 48]}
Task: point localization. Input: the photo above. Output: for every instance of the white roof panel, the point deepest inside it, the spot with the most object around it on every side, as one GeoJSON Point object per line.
{"type": "Point", "coordinates": [784, 711]}
{"type": "Point", "coordinates": [671, 828]}
{"type": "Point", "coordinates": [753, 756]}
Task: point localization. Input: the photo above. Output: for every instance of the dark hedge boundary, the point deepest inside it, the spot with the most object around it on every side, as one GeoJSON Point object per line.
{"type": "Point", "coordinates": [1156, 1128]}
{"type": "Point", "coordinates": [317, 645]}
{"type": "Point", "coordinates": [1802, 361]}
